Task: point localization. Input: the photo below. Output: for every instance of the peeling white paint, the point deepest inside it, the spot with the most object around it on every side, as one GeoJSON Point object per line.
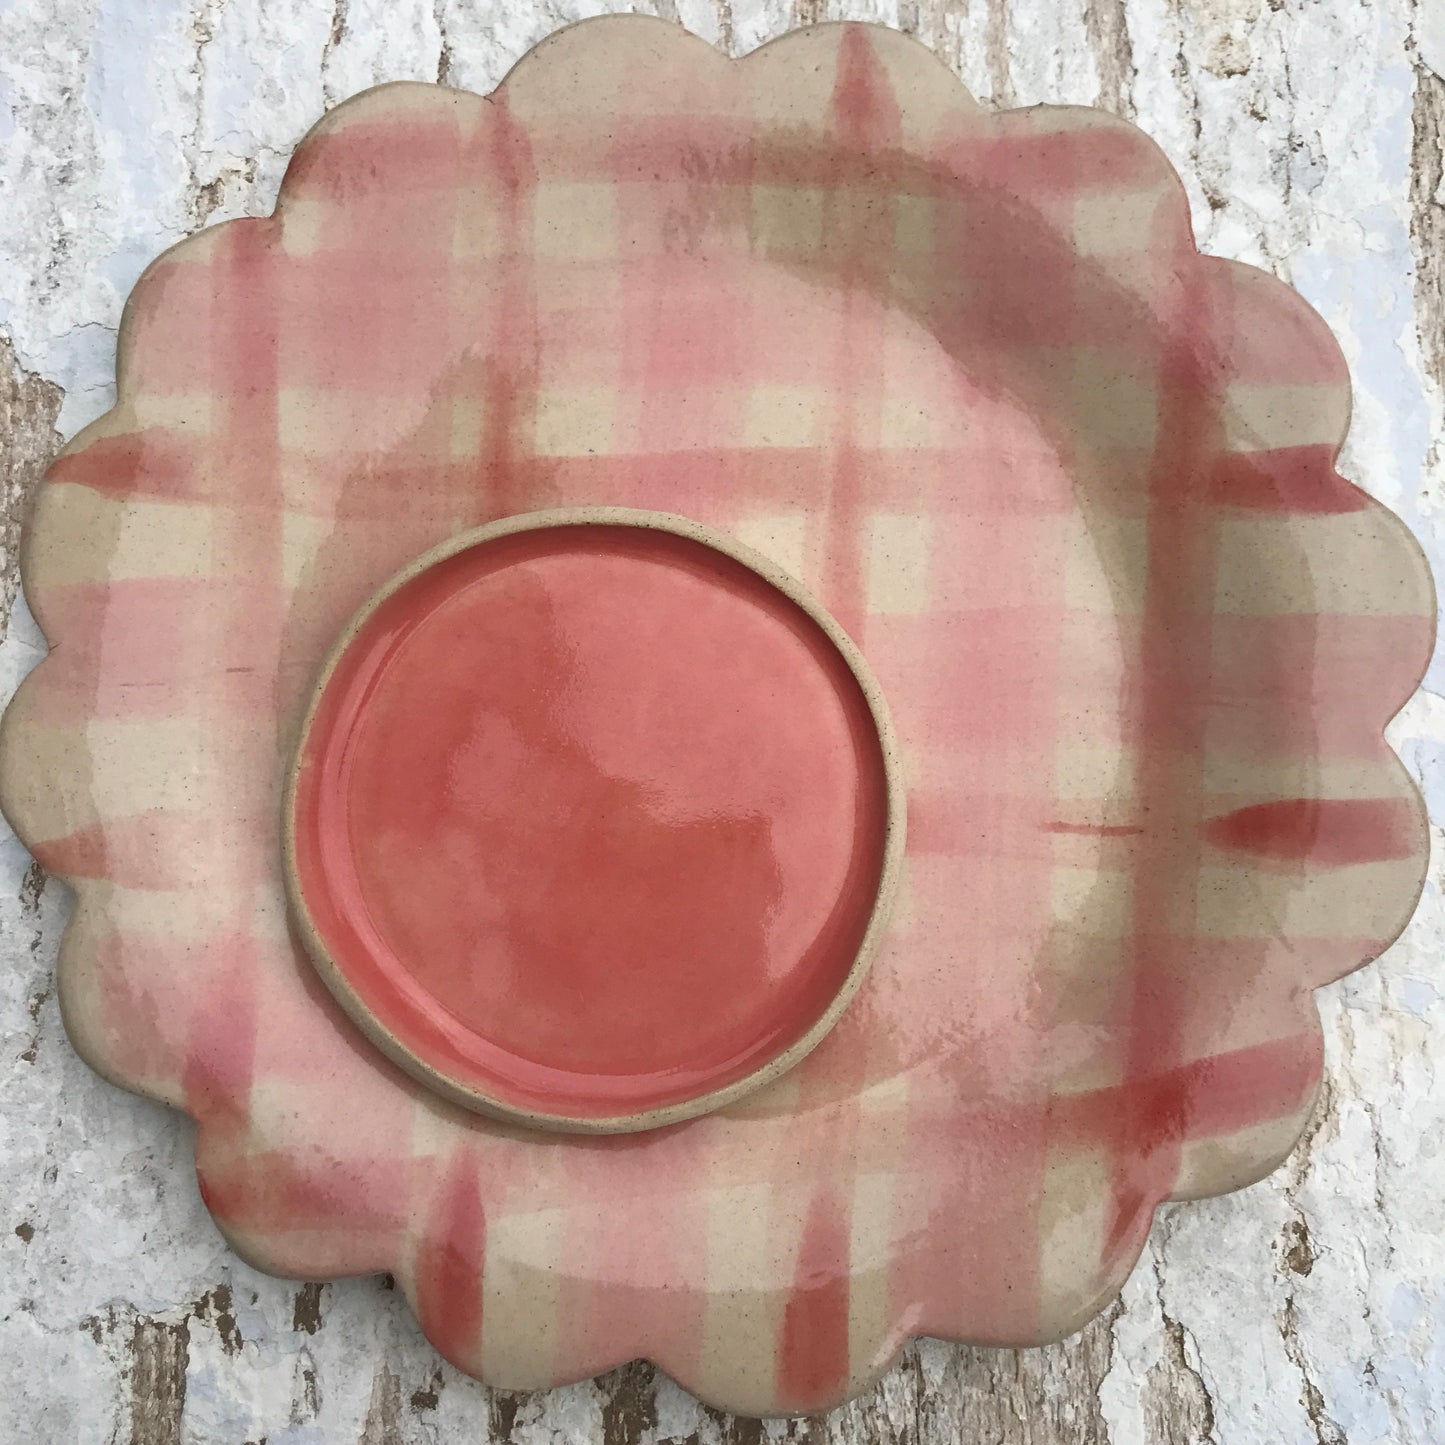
{"type": "Point", "coordinates": [1310, 1308]}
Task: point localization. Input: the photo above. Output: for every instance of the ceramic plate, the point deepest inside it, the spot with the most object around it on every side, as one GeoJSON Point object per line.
{"type": "Point", "coordinates": [1068, 486]}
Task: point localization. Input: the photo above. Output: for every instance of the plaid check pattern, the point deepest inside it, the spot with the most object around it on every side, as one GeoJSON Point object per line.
{"type": "Point", "coordinates": [1068, 484]}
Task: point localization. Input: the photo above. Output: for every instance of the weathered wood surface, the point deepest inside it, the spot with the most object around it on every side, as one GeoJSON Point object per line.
{"type": "Point", "coordinates": [1308, 1309]}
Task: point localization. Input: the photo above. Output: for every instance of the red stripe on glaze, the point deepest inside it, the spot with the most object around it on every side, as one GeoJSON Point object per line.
{"type": "Point", "coordinates": [82, 854]}
{"type": "Point", "coordinates": [866, 113]}
{"type": "Point", "coordinates": [392, 155]}
{"type": "Point", "coordinates": [449, 1266]}
{"type": "Point", "coordinates": [1207, 1098]}
{"type": "Point", "coordinates": [510, 391]}
{"type": "Point", "coordinates": [1149, 1120]}
{"type": "Point", "coordinates": [149, 463]}
{"type": "Point", "coordinates": [161, 850]}
{"type": "Point", "coordinates": [813, 1353]}
{"type": "Point", "coordinates": [1174, 650]}
{"type": "Point", "coordinates": [866, 116]}
{"type": "Point", "coordinates": [221, 1063]}
{"type": "Point", "coordinates": [1332, 832]}
{"type": "Point", "coordinates": [293, 1199]}
{"type": "Point", "coordinates": [1020, 159]}
{"type": "Point", "coordinates": [1229, 1092]}
{"type": "Point", "coordinates": [1288, 479]}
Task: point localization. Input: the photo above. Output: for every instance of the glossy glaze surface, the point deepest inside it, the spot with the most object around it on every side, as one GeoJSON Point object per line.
{"type": "Point", "coordinates": [590, 820]}
{"type": "Point", "coordinates": [1068, 485]}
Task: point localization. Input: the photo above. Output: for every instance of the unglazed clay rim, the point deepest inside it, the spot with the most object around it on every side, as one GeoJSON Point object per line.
{"type": "Point", "coordinates": [894, 826]}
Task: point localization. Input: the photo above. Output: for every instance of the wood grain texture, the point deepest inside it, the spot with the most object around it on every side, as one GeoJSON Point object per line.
{"type": "Point", "coordinates": [1427, 216]}
{"type": "Point", "coordinates": [29, 406]}
{"type": "Point", "coordinates": [1308, 1309]}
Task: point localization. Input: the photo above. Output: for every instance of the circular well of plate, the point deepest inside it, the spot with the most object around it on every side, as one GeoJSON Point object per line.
{"type": "Point", "coordinates": [594, 820]}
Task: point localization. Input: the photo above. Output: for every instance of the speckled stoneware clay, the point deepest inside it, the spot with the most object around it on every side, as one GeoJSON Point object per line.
{"type": "Point", "coordinates": [961, 378]}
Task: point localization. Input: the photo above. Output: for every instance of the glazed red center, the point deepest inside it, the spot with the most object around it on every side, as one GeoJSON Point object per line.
{"type": "Point", "coordinates": [591, 819]}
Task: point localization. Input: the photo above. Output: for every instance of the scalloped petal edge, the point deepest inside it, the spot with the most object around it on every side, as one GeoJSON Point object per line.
{"type": "Point", "coordinates": [30, 801]}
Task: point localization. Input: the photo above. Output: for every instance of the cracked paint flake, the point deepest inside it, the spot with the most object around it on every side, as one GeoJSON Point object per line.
{"type": "Point", "coordinates": [1309, 1308]}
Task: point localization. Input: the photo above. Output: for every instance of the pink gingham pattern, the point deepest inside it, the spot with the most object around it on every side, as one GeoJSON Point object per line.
{"type": "Point", "coordinates": [1068, 484]}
